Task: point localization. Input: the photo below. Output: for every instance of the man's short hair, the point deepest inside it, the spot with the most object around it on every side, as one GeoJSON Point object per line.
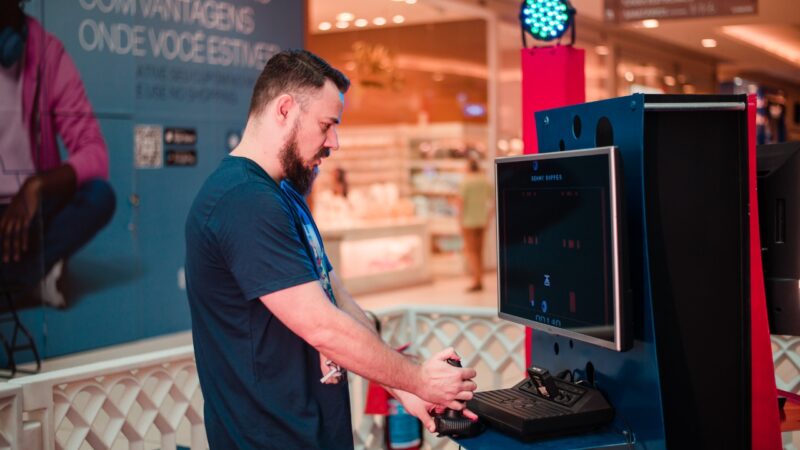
{"type": "Point", "coordinates": [293, 72]}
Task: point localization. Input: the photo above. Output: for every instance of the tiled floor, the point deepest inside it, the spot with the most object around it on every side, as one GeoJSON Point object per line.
{"type": "Point", "coordinates": [448, 291]}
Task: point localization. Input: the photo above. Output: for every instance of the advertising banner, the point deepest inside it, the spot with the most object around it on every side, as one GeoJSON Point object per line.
{"type": "Point", "coordinates": [159, 88]}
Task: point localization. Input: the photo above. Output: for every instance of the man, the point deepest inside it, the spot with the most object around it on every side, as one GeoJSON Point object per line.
{"type": "Point", "coordinates": [49, 208]}
{"type": "Point", "coordinates": [270, 317]}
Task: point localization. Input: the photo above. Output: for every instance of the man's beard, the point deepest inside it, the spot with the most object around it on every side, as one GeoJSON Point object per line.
{"type": "Point", "coordinates": [294, 169]}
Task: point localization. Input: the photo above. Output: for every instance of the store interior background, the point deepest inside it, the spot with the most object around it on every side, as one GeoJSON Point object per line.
{"type": "Point", "coordinates": [436, 82]}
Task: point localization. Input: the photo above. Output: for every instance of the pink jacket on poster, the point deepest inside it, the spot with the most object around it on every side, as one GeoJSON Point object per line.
{"type": "Point", "coordinates": [63, 109]}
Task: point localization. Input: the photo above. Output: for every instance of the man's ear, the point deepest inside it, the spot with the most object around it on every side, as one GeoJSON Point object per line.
{"type": "Point", "coordinates": [283, 106]}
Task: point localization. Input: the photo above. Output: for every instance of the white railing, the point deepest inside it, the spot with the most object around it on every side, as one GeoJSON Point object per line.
{"type": "Point", "coordinates": [786, 358]}
{"type": "Point", "coordinates": [132, 402]}
{"type": "Point", "coordinates": [154, 400]}
{"type": "Point", "coordinates": [10, 416]}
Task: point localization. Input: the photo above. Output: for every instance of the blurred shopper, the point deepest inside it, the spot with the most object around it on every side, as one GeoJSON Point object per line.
{"type": "Point", "coordinates": [475, 209]}
{"type": "Point", "coordinates": [49, 208]}
{"type": "Point", "coordinates": [273, 327]}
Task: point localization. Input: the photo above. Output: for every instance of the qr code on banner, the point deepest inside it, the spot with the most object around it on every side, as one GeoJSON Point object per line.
{"type": "Point", "coordinates": [148, 147]}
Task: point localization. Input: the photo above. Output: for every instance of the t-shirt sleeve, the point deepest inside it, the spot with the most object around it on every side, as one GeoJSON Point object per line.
{"type": "Point", "coordinates": [256, 231]}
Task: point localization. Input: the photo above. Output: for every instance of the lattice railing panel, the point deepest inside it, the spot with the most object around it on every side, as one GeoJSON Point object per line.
{"type": "Point", "coordinates": [786, 358]}
{"type": "Point", "coordinates": [10, 416]}
{"type": "Point", "coordinates": [128, 406]}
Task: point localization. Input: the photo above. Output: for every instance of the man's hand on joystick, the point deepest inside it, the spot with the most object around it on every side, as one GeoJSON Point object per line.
{"type": "Point", "coordinates": [460, 423]}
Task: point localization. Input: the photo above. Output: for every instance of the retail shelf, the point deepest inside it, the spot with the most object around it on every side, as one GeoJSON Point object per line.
{"type": "Point", "coordinates": [433, 192]}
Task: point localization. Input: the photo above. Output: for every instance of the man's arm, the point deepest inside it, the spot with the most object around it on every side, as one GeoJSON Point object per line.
{"type": "Point", "coordinates": [306, 310]}
{"type": "Point", "coordinates": [413, 404]}
{"type": "Point", "coordinates": [346, 302]}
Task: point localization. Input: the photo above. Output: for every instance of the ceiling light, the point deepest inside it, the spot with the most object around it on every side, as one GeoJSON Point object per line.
{"type": "Point", "coordinates": [709, 43]}
{"type": "Point", "coordinates": [345, 17]}
{"type": "Point", "coordinates": [379, 21]}
{"type": "Point", "coordinates": [324, 26]}
{"type": "Point", "coordinates": [342, 25]}
{"type": "Point", "coordinates": [411, 2]}
{"type": "Point", "coordinates": [650, 23]}
{"type": "Point", "coordinates": [602, 50]}
{"type": "Point", "coordinates": [361, 23]}
{"type": "Point", "coordinates": [398, 19]}
{"type": "Point", "coordinates": [546, 20]}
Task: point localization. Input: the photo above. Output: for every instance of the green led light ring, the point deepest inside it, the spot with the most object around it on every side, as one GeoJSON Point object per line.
{"type": "Point", "coordinates": [546, 20]}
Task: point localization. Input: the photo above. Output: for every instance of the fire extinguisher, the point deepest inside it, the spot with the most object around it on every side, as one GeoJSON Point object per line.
{"type": "Point", "coordinates": [402, 431]}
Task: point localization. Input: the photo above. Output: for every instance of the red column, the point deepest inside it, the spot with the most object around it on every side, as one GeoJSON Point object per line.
{"type": "Point", "coordinates": [766, 429]}
{"type": "Point", "coordinates": [551, 77]}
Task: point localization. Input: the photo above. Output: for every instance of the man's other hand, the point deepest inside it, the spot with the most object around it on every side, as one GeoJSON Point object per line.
{"type": "Point", "coordinates": [443, 384]}
{"type": "Point", "coordinates": [325, 366]}
{"type": "Point", "coordinates": [421, 409]}
{"type": "Point", "coordinates": [16, 220]}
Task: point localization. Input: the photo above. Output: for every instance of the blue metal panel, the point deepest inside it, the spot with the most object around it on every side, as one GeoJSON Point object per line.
{"type": "Point", "coordinates": [629, 379]}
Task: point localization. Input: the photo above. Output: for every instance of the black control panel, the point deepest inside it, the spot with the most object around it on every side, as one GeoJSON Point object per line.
{"type": "Point", "coordinates": [542, 406]}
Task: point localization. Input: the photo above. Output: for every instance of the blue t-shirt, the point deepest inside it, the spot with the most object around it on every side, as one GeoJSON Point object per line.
{"type": "Point", "coordinates": [246, 237]}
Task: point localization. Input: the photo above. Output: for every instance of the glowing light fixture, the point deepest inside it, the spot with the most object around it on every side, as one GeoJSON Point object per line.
{"type": "Point", "coordinates": [345, 17]}
{"type": "Point", "coordinates": [398, 19]}
{"type": "Point", "coordinates": [708, 43]}
{"type": "Point", "coordinates": [650, 23]}
{"type": "Point", "coordinates": [324, 26]}
{"type": "Point", "coordinates": [379, 21]}
{"type": "Point", "coordinates": [411, 2]}
{"type": "Point", "coordinates": [342, 25]}
{"type": "Point", "coordinates": [547, 20]}
{"type": "Point", "coordinates": [361, 23]}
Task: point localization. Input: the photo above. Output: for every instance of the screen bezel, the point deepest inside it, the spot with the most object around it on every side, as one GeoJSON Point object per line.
{"type": "Point", "coordinates": [615, 179]}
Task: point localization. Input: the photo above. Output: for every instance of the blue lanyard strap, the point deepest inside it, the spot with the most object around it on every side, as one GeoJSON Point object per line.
{"type": "Point", "coordinates": [319, 255]}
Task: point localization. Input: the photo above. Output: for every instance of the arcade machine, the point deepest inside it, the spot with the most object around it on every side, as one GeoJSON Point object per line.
{"type": "Point", "coordinates": [634, 265]}
{"type": "Point", "coordinates": [629, 244]}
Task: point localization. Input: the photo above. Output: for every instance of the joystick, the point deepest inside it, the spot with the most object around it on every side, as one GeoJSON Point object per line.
{"type": "Point", "coordinates": [453, 423]}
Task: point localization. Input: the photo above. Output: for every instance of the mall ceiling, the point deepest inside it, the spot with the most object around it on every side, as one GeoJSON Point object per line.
{"type": "Point", "coordinates": [767, 43]}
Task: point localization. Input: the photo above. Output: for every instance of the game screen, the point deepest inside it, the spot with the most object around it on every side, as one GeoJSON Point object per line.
{"type": "Point", "coordinates": [556, 243]}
